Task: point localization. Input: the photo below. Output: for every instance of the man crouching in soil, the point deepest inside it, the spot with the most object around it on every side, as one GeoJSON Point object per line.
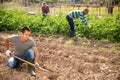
{"type": "Point", "coordinates": [25, 48]}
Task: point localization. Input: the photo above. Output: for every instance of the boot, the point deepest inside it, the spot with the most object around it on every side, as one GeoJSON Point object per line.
{"type": "Point", "coordinates": [71, 33]}
{"type": "Point", "coordinates": [31, 69]}
{"type": "Point", "coordinates": [18, 66]}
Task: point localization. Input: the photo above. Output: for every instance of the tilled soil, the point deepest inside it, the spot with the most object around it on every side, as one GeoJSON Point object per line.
{"type": "Point", "coordinates": [69, 58]}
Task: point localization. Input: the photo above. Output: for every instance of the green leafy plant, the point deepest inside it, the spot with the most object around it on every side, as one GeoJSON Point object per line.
{"type": "Point", "coordinates": [105, 28]}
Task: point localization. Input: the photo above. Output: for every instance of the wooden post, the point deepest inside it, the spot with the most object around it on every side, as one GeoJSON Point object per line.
{"type": "Point", "coordinates": [110, 6]}
{"type": "Point", "coordinates": [39, 6]}
{"type": "Point", "coordinates": [119, 10]}
{"type": "Point", "coordinates": [1, 1]}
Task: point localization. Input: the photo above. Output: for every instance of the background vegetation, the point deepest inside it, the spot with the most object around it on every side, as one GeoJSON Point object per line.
{"type": "Point", "coordinates": [106, 27]}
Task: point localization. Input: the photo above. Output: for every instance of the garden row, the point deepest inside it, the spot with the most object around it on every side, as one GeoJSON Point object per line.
{"type": "Point", "coordinates": [105, 28]}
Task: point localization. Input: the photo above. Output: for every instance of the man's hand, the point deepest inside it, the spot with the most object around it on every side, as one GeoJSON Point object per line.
{"type": "Point", "coordinates": [8, 53]}
{"type": "Point", "coordinates": [37, 65]}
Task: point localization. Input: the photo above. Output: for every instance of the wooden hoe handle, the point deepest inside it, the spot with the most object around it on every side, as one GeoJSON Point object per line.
{"type": "Point", "coordinates": [30, 63]}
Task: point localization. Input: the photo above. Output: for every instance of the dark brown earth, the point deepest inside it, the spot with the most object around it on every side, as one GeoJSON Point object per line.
{"type": "Point", "coordinates": [69, 58]}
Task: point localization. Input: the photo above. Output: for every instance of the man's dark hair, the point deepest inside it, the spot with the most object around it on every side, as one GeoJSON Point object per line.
{"type": "Point", "coordinates": [44, 3]}
{"type": "Point", "coordinates": [25, 29]}
{"type": "Point", "coordinates": [86, 9]}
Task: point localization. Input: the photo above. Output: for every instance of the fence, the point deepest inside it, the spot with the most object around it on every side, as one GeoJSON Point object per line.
{"type": "Point", "coordinates": [93, 9]}
{"type": "Point", "coordinates": [55, 9]}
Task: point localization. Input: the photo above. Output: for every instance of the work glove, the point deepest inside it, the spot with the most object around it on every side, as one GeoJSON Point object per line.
{"type": "Point", "coordinates": [37, 65]}
{"type": "Point", "coordinates": [8, 53]}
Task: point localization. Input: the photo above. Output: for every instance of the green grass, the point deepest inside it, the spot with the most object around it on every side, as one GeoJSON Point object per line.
{"type": "Point", "coordinates": [69, 42]}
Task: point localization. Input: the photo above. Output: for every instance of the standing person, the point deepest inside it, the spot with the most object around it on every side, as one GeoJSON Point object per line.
{"type": "Point", "coordinates": [45, 9]}
{"type": "Point", "coordinates": [76, 14]}
{"type": "Point", "coordinates": [25, 48]}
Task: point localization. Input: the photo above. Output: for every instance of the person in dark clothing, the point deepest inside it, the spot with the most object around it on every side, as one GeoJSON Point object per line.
{"type": "Point", "coordinates": [45, 9]}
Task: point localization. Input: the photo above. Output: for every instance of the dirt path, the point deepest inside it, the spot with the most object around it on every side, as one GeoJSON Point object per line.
{"type": "Point", "coordinates": [72, 59]}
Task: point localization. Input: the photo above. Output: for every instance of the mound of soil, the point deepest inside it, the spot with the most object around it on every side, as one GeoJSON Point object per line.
{"type": "Point", "coordinates": [69, 58]}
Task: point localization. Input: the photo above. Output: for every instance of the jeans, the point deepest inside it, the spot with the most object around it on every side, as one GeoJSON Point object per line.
{"type": "Point", "coordinates": [28, 55]}
{"type": "Point", "coordinates": [71, 23]}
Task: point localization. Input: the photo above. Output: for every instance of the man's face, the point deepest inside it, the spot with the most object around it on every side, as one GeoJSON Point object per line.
{"type": "Point", "coordinates": [45, 5]}
{"type": "Point", "coordinates": [25, 35]}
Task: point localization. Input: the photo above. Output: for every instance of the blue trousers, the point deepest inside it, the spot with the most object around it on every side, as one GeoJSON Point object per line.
{"type": "Point", "coordinates": [28, 55]}
{"type": "Point", "coordinates": [71, 23]}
